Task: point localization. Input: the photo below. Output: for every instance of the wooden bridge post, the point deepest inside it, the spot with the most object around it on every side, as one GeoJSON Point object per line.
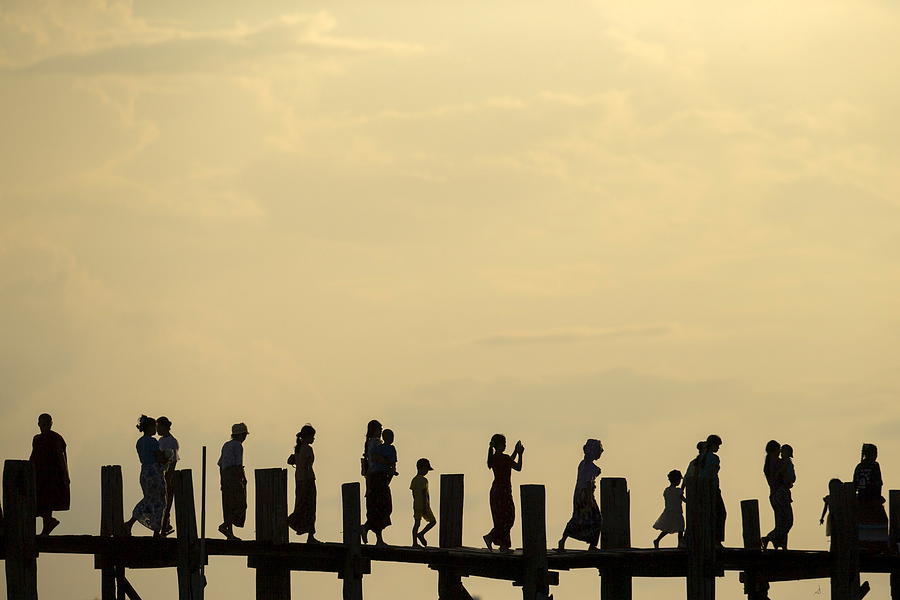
{"type": "Point", "coordinates": [700, 535]}
{"type": "Point", "coordinates": [615, 534]}
{"type": "Point", "coordinates": [112, 522]}
{"type": "Point", "coordinates": [19, 535]}
{"type": "Point", "coordinates": [352, 573]}
{"type": "Point", "coordinates": [450, 530]}
{"type": "Point", "coordinates": [190, 579]}
{"type": "Point", "coordinates": [894, 538]}
{"type": "Point", "coordinates": [755, 586]}
{"type": "Point", "coordinates": [272, 582]}
{"type": "Point", "coordinates": [844, 542]}
{"type": "Point", "coordinates": [535, 583]}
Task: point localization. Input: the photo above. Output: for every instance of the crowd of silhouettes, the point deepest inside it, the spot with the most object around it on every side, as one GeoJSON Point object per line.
{"type": "Point", "coordinates": [159, 457]}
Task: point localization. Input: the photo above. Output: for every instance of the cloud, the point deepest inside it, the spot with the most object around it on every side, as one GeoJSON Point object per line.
{"type": "Point", "coordinates": [186, 51]}
{"type": "Point", "coordinates": [569, 336]}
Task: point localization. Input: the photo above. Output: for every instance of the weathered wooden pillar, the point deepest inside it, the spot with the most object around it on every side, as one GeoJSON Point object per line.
{"type": "Point", "coordinates": [450, 530]}
{"type": "Point", "coordinates": [894, 538]}
{"type": "Point", "coordinates": [755, 586]}
{"type": "Point", "coordinates": [272, 582]}
{"type": "Point", "coordinates": [19, 535]}
{"type": "Point", "coordinates": [844, 541]}
{"type": "Point", "coordinates": [615, 534]}
{"type": "Point", "coordinates": [190, 579]}
{"type": "Point", "coordinates": [701, 503]}
{"type": "Point", "coordinates": [352, 572]}
{"type": "Point", "coordinates": [111, 525]}
{"type": "Point", "coordinates": [535, 583]}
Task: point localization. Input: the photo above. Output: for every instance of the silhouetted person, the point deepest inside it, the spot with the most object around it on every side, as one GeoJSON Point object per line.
{"type": "Point", "coordinates": [51, 473]}
{"type": "Point", "coordinates": [772, 472]}
{"type": "Point", "coordinates": [234, 482]}
{"type": "Point", "coordinates": [379, 504]}
{"type": "Point", "coordinates": [585, 522]}
{"type": "Point", "coordinates": [873, 521]}
{"type": "Point", "coordinates": [783, 479]}
{"type": "Point", "coordinates": [149, 511]}
{"type": "Point", "coordinates": [421, 503]}
{"type": "Point", "coordinates": [690, 474]}
{"type": "Point", "coordinates": [169, 447]}
{"type": "Point", "coordinates": [708, 468]}
{"type": "Point", "coordinates": [826, 506]}
{"type": "Point", "coordinates": [303, 519]}
{"type": "Point", "coordinates": [672, 518]}
{"type": "Point", "coordinates": [503, 509]}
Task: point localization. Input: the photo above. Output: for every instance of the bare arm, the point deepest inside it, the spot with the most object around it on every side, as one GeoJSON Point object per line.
{"type": "Point", "coordinates": [517, 456]}
{"type": "Point", "coordinates": [824, 511]}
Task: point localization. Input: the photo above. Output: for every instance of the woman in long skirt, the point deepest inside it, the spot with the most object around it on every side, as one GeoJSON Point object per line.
{"type": "Point", "coordinates": [149, 511]}
{"type": "Point", "coordinates": [303, 519]}
{"type": "Point", "coordinates": [585, 522]}
{"type": "Point", "coordinates": [503, 509]}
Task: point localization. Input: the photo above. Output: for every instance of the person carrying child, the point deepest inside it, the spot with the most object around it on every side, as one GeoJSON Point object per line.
{"type": "Point", "coordinates": [421, 503]}
{"type": "Point", "coordinates": [672, 518]}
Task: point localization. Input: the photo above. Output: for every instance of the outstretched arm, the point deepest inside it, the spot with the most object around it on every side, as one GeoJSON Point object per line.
{"type": "Point", "coordinates": [824, 510]}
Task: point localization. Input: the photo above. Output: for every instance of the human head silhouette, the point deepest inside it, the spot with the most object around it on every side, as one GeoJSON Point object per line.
{"type": "Point", "coordinates": [869, 452]}
{"type": "Point", "coordinates": [674, 477]}
{"type": "Point", "coordinates": [45, 422]}
{"type": "Point", "coordinates": [713, 443]}
{"type": "Point", "coordinates": [772, 447]}
{"type": "Point", "coordinates": [147, 425]}
{"type": "Point", "coordinates": [787, 451]}
{"type": "Point", "coordinates": [373, 429]}
{"type": "Point", "coordinates": [498, 442]}
{"type": "Point", "coordinates": [388, 436]}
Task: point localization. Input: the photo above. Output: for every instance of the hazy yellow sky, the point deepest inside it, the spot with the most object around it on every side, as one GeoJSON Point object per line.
{"type": "Point", "coordinates": [644, 221]}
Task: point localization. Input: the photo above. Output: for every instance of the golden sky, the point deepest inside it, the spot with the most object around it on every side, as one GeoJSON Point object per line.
{"type": "Point", "coordinates": [641, 221]}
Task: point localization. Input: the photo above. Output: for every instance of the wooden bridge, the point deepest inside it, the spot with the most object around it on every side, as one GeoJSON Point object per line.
{"type": "Point", "coordinates": [534, 568]}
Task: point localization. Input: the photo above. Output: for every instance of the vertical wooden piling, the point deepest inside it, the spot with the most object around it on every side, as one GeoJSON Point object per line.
{"type": "Point", "coordinates": [111, 522]}
{"type": "Point", "coordinates": [700, 535]}
{"type": "Point", "coordinates": [615, 534]}
{"type": "Point", "coordinates": [894, 538]}
{"type": "Point", "coordinates": [19, 536]}
{"type": "Point", "coordinates": [755, 587]}
{"type": "Point", "coordinates": [535, 584]}
{"type": "Point", "coordinates": [190, 579]}
{"type": "Point", "coordinates": [352, 572]}
{"type": "Point", "coordinates": [844, 542]}
{"type": "Point", "coordinates": [450, 530]}
{"type": "Point", "coordinates": [272, 582]}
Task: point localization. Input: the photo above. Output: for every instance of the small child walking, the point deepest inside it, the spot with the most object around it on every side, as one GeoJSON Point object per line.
{"type": "Point", "coordinates": [672, 519]}
{"type": "Point", "coordinates": [826, 508]}
{"type": "Point", "coordinates": [421, 503]}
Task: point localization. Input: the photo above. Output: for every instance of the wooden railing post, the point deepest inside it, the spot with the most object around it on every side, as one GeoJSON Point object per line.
{"type": "Point", "coordinates": [894, 538]}
{"type": "Point", "coordinates": [615, 534]}
{"type": "Point", "coordinates": [190, 579]}
{"type": "Point", "coordinates": [450, 530]}
{"type": "Point", "coordinates": [755, 586]}
{"type": "Point", "coordinates": [844, 541]}
{"type": "Point", "coordinates": [111, 525]}
{"type": "Point", "coordinates": [701, 502]}
{"type": "Point", "coordinates": [536, 583]}
{"type": "Point", "coordinates": [19, 536]}
{"type": "Point", "coordinates": [352, 572]}
{"type": "Point", "coordinates": [273, 582]}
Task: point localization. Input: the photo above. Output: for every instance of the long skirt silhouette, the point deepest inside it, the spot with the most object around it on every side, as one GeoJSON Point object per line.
{"type": "Point", "coordinates": [586, 519]}
{"type": "Point", "coordinates": [303, 519]}
{"type": "Point", "coordinates": [234, 496]}
{"type": "Point", "coordinates": [379, 504]}
{"type": "Point", "coordinates": [873, 521]}
{"type": "Point", "coordinates": [503, 514]}
{"type": "Point", "coordinates": [149, 511]}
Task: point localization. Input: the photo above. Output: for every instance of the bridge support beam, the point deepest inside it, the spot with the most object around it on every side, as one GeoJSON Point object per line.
{"type": "Point", "coordinates": [450, 529]}
{"type": "Point", "coordinates": [700, 535]}
{"type": "Point", "coordinates": [844, 542]}
{"type": "Point", "coordinates": [536, 582]}
{"type": "Point", "coordinates": [272, 582]}
{"type": "Point", "coordinates": [352, 573]}
{"type": "Point", "coordinates": [18, 530]}
{"type": "Point", "coordinates": [190, 579]}
{"type": "Point", "coordinates": [615, 534]}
